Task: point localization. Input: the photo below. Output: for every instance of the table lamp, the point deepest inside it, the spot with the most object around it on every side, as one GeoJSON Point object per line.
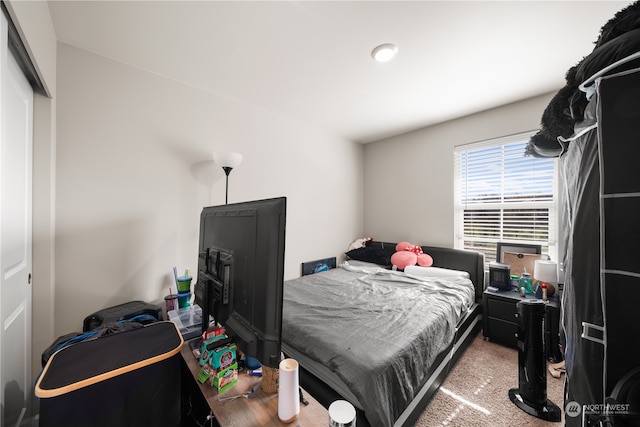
{"type": "Point", "coordinates": [546, 272]}
{"type": "Point", "coordinates": [227, 160]}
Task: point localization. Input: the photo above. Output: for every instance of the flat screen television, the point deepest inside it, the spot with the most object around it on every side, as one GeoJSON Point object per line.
{"type": "Point", "coordinates": [240, 274]}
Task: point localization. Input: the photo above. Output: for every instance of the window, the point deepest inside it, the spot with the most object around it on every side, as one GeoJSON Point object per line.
{"type": "Point", "coordinates": [503, 195]}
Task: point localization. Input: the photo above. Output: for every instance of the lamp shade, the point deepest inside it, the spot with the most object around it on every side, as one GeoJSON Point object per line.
{"type": "Point", "coordinates": [206, 172]}
{"type": "Point", "coordinates": [227, 159]}
{"type": "Point", "coordinates": [545, 271]}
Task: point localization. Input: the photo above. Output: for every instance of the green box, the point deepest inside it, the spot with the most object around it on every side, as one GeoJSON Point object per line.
{"type": "Point", "coordinates": [219, 365]}
{"type": "Point", "coordinates": [226, 378]}
{"type": "Point", "coordinates": [223, 357]}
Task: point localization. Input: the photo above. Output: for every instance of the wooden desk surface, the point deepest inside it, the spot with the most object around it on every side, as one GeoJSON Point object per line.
{"type": "Point", "coordinates": [261, 410]}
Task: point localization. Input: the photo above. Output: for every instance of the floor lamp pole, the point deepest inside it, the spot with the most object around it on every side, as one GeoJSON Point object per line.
{"type": "Point", "coordinates": [227, 171]}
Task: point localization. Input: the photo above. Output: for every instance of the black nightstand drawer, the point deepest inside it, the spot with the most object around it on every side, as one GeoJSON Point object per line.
{"type": "Point", "coordinates": [505, 310]}
{"type": "Point", "coordinates": [503, 331]}
{"type": "Point", "coordinates": [500, 321]}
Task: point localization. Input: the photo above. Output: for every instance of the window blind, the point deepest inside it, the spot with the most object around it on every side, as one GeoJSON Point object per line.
{"type": "Point", "coordinates": [503, 195]}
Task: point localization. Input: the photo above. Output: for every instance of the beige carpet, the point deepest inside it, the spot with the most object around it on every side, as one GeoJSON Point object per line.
{"type": "Point", "coordinates": [475, 393]}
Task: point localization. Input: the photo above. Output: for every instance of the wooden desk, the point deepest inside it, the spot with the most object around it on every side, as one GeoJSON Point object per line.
{"type": "Point", "coordinates": [259, 411]}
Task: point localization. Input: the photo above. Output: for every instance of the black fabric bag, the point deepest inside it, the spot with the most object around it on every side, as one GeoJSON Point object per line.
{"type": "Point", "coordinates": [102, 330]}
{"type": "Point", "coordinates": [131, 310]}
{"type": "Point", "coordinates": [131, 378]}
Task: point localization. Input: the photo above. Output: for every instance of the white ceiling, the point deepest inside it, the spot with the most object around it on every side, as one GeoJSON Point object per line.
{"type": "Point", "coordinates": [310, 60]}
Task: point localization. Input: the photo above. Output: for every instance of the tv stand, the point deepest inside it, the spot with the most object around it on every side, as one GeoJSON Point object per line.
{"type": "Point", "coordinates": [261, 410]}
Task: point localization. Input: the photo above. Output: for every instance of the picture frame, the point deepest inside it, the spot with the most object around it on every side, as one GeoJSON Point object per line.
{"type": "Point", "coordinates": [519, 257]}
{"type": "Point", "coordinates": [519, 248]}
{"type": "Point", "coordinates": [317, 266]}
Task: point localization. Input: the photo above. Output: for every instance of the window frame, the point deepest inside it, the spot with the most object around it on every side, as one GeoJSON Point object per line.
{"type": "Point", "coordinates": [551, 244]}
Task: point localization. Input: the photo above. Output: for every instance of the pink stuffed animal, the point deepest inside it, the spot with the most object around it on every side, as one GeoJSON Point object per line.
{"type": "Point", "coordinates": [408, 254]}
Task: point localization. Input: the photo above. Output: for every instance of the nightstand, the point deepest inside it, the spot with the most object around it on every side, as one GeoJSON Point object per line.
{"type": "Point", "coordinates": [500, 322]}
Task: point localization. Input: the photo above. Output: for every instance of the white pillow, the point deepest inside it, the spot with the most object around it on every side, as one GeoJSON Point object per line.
{"type": "Point", "coordinates": [356, 263]}
{"type": "Point", "coordinates": [416, 270]}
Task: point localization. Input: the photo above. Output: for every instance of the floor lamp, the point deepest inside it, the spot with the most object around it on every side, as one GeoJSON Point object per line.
{"type": "Point", "coordinates": [227, 160]}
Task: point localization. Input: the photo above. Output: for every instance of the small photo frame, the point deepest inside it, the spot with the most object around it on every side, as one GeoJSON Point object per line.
{"type": "Point", "coordinates": [318, 266]}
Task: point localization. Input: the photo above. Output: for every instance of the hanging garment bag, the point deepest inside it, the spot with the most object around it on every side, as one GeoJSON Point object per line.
{"type": "Point", "coordinates": [620, 194]}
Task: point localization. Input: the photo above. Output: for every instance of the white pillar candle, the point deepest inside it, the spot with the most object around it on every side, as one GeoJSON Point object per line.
{"type": "Point", "coordinates": [288, 391]}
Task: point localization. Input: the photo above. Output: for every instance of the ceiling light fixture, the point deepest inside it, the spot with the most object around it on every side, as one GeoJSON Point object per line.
{"type": "Point", "coordinates": [384, 52]}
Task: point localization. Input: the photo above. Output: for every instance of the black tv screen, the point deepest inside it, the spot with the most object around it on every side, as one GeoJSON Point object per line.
{"type": "Point", "coordinates": [241, 271]}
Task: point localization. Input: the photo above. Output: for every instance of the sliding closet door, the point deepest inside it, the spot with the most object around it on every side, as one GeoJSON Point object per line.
{"type": "Point", "coordinates": [16, 131]}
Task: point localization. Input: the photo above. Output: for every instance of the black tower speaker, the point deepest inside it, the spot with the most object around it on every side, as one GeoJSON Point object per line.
{"type": "Point", "coordinates": [531, 395]}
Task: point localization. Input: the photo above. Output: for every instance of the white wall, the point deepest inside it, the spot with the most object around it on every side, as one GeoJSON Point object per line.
{"type": "Point", "coordinates": [128, 206]}
{"type": "Point", "coordinates": [409, 178]}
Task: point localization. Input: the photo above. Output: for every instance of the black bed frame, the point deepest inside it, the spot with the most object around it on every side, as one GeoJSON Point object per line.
{"type": "Point", "coordinates": [456, 259]}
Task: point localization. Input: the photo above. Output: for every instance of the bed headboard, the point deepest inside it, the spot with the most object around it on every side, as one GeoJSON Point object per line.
{"type": "Point", "coordinates": [455, 259]}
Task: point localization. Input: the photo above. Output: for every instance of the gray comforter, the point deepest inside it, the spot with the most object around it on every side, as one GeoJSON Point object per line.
{"type": "Point", "coordinates": [379, 330]}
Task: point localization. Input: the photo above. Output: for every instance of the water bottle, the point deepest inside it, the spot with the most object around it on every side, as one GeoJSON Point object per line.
{"type": "Point", "coordinates": [526, 283]}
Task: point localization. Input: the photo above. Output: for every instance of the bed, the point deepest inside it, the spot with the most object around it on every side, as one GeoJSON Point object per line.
{"type": "Point", "coordinates": [382, 339]}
